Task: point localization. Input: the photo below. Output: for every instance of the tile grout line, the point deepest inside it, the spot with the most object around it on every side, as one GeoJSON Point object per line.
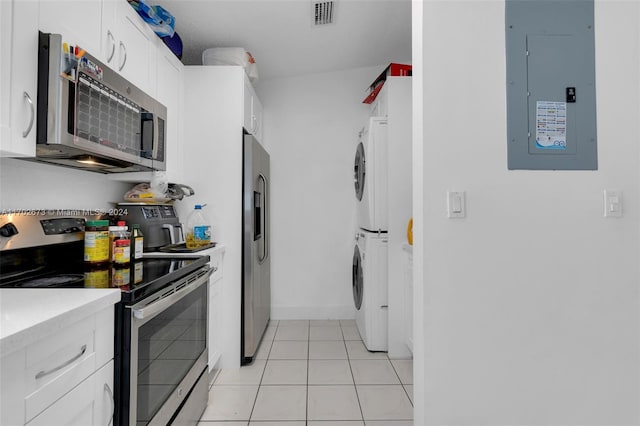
{"type": "Point", "coordinates": [261, 377]}
{"type": "Point", "coordinates": [306, 409]}
{"type": "Point", "coordinates": [352, 376]}
{"type": "Point", "coordinates": [401, 383]}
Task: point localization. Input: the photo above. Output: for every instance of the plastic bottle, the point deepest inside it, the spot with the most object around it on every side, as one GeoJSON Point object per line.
{"type": "Point", "coordinates": [137, 242]}
{"type": "Point", "coordinates": [120, 243]}
{"type": "Point", "coordinates": [96, 241]}
{"type": "Point", "coordinates": [198, 229]}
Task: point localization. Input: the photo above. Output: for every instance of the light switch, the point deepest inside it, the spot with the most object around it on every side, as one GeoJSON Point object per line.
{"type": "Point", "coordinates": [612, 203]}
{"type": "Point", "coordinates": [455, 204]}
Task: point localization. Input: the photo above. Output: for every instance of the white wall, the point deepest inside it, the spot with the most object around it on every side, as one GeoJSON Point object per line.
{"type": "Point", "coordinates": [311, 129]}
{"type": "Point", "coordinates": [28, 185]}
{"type": "Point", "coordinates": [531, 302]}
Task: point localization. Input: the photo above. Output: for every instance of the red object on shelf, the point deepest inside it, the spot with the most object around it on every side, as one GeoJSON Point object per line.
{"type": "Point", "coordinates": [393, 70]}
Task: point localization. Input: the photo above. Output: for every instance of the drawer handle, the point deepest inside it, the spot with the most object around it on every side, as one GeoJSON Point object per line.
{"type": "Point", "coordinates": [53, 370]}
{"type": "Point", "coordinates": [113, 404]}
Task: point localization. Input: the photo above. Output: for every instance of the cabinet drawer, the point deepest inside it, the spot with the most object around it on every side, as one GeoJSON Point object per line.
{"type": "Point", "coordinates": [57, 364]}
{"type": "Point", "coordinates": [89, 403]}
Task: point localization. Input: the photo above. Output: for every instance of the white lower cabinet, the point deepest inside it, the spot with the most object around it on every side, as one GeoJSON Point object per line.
{"type": "Point", "coordinates": [214, 343]}
{"type": "Point", "coordinates": [65, 378]}
{"type": "Point", "coordinates": [408, 295]}
{"type": "Point", "coordinates": [89, 403]}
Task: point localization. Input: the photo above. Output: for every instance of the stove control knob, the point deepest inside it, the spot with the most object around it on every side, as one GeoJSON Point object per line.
{"type": "Point", "coordinates": [8, 230]}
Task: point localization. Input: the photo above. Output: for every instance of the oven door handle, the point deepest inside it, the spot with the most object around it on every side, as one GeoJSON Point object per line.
{"type": "Point", "coordinates": [147, 311]}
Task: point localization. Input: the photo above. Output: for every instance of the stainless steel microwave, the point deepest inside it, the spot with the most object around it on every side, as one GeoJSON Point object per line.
{"type": "Point", "coordinates": [90, 117]}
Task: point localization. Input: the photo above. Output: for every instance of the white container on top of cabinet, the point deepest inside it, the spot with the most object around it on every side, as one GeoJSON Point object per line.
{"type": "Point", "coordinates": [18, 75]}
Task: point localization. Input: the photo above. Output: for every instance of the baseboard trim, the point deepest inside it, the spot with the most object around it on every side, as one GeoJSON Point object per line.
{"type": "Point", "coordinates": [313, 312]}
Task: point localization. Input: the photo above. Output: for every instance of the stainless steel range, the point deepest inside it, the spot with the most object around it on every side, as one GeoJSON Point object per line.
{"type": "Point", "coordinates": [161, 322]}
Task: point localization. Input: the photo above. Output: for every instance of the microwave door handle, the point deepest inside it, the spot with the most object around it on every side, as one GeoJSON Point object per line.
{"type": "Point", "coordinates": [155, 135]}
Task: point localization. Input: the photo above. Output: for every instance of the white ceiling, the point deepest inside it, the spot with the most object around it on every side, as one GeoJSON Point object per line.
{"type": "Point", "coordinates": [281, 37]}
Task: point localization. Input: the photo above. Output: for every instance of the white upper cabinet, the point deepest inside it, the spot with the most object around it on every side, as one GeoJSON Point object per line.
{"type": "Point", "coordinates": [252, 119]}
{"type": "Point", "coordinates": [19, 43]}
{"type": "Point", "coordinates": [169, 91]}
{"type": "Point", "coordinates": [5, 75]}
{"type": "Point", "coordinates": [128, 44]}
{"type": "Point", "coordinates": [78, 21]}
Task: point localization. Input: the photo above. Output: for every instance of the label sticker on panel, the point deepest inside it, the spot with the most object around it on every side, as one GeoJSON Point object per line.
{"type": "Point", "coordinates": [551, 125]}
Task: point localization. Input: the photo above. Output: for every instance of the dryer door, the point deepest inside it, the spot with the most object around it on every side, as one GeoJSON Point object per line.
{"type": "Point", "coordinates": [359, 171]}
{"type": "Point", "coordinates": [357, 278]}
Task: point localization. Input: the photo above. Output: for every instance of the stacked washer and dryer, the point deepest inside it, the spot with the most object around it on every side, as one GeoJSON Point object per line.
{"type": "Point", "coordinates": [369, 276]}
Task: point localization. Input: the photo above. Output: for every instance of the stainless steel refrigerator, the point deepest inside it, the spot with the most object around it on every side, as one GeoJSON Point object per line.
{"type": "Point", "coordinates": [256, 268]}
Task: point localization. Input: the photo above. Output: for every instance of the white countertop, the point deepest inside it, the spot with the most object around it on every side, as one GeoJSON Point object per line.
{"type": "Point", "coordinates": [28, 315]}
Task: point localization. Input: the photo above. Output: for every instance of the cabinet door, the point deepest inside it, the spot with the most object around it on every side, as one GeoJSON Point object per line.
{"type": "Point", "coordinates": [89, 403]}
{"type": "Point", "coordinates": [6, 11]}
{"type": "Point", "coordinates": [252, 119]}
{"type": "Point", "coordinates": [408, 298]}
{"type": "Point", "coordinates": [75, 408]}
{"type": "Point", "coordinates": [24, 63]}
{"type": "Point", "coordinates": [128, 44]}
{"type": "Point", "coordinates": [79, 22]}
{"type": "Point", "coordinates": [169, 71]}
{"type": "Point", "coordinates": [214, 323]}
{"type": "Point", "coordinates": [256, 111]}
{"type": "Point", "coordinates": [247, 119]}
{"type": "Point", "coordinates": [103, 396]}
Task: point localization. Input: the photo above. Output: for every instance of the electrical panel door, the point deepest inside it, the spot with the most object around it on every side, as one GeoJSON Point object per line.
{"type": "Point", "coordinates": [551, 105]}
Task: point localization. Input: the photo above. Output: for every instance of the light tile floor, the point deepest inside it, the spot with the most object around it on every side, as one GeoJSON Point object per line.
{"type": "Point", "coordinates": [313, 373]}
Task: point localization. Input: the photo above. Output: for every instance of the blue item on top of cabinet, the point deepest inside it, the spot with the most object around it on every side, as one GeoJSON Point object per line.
{"type": "Point", "coordinates": [174, 43]}
{"type": "Point", "coordinates": [161, 21]}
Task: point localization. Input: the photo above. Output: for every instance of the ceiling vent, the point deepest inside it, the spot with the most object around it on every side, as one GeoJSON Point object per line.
{"type": "Point", "coordinates": [322, 12]}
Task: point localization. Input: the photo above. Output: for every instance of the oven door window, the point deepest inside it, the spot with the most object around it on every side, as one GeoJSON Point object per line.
{"type": "Point", "coordinates": [168, 346]}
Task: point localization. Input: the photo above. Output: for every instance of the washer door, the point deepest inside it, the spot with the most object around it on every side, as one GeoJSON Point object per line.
{"type": "Point", "coordinates": [357, 278]}
{"type": "Point", "coordinates": [359, 171]}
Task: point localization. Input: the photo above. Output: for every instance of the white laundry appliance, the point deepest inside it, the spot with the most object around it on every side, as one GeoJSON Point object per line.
{"type": "Point", "coordinates": [369, 284]}
{"type": "Point", "coordinates": [370, 175]}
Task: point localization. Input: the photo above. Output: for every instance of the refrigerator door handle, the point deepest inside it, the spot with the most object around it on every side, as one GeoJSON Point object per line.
{"type": "Point", "coordinates": [265, 208]}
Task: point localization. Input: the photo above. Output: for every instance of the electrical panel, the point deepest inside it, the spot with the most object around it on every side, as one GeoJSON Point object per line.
{"type": "Point", "coordinates": [551, 93]}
